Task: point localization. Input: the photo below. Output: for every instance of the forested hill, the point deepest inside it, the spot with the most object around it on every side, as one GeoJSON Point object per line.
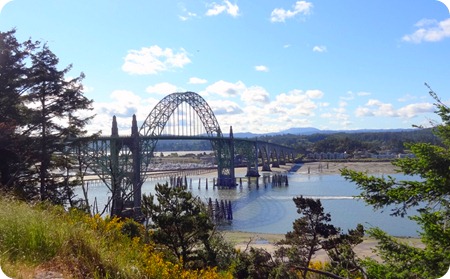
{"type": "Point", "coordinates": [349, 142]}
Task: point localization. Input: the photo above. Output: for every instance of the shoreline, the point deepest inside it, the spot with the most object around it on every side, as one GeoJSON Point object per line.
{"type": "Point", "coordinates": [242, 240]}
{"type": "Point", "coordinates": [332, 167]}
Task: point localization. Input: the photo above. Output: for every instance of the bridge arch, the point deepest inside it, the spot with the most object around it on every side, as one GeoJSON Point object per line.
{"type": "Point", "coordinates": [157, 119]}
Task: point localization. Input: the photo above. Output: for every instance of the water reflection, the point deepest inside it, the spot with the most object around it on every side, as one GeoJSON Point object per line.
{"type": "Point", "coordinates": [271, 209]}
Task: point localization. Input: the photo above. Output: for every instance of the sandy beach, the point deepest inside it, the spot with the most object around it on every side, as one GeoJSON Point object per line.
{"type": "Point", "coordinates": [332, 168]}
{"type": "Point", "coordinates": [335, 167]}
{"type": "Point", "coordinates": [245, 240]}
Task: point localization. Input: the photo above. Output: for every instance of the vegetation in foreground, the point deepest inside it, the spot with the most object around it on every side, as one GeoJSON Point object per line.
{"type": "Point", "coordinates": [41, 111]}
{"type": "Point", "coordinates": [46, 237]}
{"type": "Point", "coordinates": [181, 243]}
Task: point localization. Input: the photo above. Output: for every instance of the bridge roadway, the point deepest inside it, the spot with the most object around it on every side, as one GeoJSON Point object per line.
{"type": "Point", "coordinates": [122, 161]}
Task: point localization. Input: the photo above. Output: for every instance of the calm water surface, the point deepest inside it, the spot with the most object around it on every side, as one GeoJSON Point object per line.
{"type": "Point", "coordinates": [270, 209]}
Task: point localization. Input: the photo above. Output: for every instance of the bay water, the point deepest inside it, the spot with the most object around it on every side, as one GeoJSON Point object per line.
{"type": "Point", "coordinates": [270, 209]}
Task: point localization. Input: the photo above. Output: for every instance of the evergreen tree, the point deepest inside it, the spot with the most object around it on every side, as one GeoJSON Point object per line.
{"type": "Point", "coordinates": [182, 224]}
{"type": "Point", "coordinates": [310, 232]}
{"type": "Point", "coordinates": [429, 193]}
{"type": "Point", "coordinates": [54, 102]}
{"type": "Point", "coordinates": [13, 83]}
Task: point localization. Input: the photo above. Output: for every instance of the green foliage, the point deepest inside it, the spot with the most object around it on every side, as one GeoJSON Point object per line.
{"type": "Point", "coordinates": [13, 83]}
{"type": "Point", "coordinates": [343, 259]}
{"type": "Point", "coordinates": [29, 235]}
{"type": "Point", "coordinates": [181, 223]}
{"type": "Point", "coordinates": [255, 264]}
{"type": "Point", "coordinates": [39, 109]}
{"type": "Point", "coordinates": [429, 193]}
{"type": "Point", "coordinates": [45, 237]}
{"type": "Point", "coordinates": [310, 232]}
{"type": "Point", "coordinates": [374, 142]}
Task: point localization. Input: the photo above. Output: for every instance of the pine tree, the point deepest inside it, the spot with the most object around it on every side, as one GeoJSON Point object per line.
{"type": "Point", "coordinates": [181, 223]}
{"type": "Point", "coordinates": [14, 83]}
{"type": "Point", "coordinates": [55, 102]}
{"type": "Point", "coordinates": [429, 193]}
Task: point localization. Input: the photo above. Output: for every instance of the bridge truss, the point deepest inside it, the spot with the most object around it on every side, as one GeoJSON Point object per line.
{"type": "Point", "coordinates": [121, 162]}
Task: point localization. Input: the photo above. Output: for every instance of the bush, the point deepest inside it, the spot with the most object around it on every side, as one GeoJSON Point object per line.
{"type": "Point", "coordinates": [36, 237]}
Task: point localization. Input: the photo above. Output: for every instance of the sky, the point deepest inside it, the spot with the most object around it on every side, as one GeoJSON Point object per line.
{"type": "Point", "coordinates": [262, 66]}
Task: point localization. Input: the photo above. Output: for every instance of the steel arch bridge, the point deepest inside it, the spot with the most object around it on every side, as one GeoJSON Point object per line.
{"type": "Point", "coordinates": [121, 162]}
{"type": "Point", "coordinates": [154, 124]}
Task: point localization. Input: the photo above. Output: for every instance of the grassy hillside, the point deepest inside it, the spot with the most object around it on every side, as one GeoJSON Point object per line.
{"type": "Point", "coordinates": [37, 239]}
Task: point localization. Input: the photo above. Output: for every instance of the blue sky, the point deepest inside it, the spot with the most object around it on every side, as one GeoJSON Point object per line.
{"type": "Point", "coordinates": [262, 66]}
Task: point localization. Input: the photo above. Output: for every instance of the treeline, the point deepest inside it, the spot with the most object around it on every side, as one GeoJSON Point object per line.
{"type": "Point", "coordinates": [373, 142]}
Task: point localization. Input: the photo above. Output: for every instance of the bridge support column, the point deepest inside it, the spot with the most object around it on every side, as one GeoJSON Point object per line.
{"type": "Point", "coordinates": [265, 161]}
{"type": "Point", "coordinates": [116, 180]}
{"type": "Point", "coordinates": [275, 160]}
{"type": "Point", "coordinates": [252, 164]}
{"type": "Point", "coordinates": [282, 158]}
{"type": "Point", "coordinates": [137, 182]}
{"type": "Point", "coordinates": [225, 165]}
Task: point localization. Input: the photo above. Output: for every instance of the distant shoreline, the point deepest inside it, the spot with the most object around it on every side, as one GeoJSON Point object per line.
{"type": "Point", "coordinates": [332, 167]}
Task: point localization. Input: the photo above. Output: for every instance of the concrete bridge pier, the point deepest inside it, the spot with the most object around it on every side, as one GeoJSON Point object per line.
{"type": "Point", "coordinates": [116, 180]}
{"type": "Point", "coordinates": [252, 163]}
{"type": "Point", "coordinates": [137, 181]}
{"type": "Point", "coordinates": [226, 176]}
{"type": "Point", "coordinates": [265, 158]}
{"type": "Point", "coordinates": [275, 160]}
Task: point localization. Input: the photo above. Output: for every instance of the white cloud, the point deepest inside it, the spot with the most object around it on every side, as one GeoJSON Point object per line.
{"type": "Point", "coordinates": [163, 88]}
{"type": "Point", "coordinates": [413, 110]}
{"type": "Point", "coordinates": [255, 94]}
{"type": "Point", "coordinates": [363, 111]}
{"type": "Point", "coordinates": [296, 103]}
{"type": "Point", "coordinates": [226, 6]}
{"type": "Point", "coordinates": [377, 108]}
{"type": "Point", "coordinates": [382, 109]}
{"type": "Point", "coordinates": [352, 95]}
{"type": "Point", "coordinates": [3, 3]}
{"type": "Point", "coordinates": [337, 117]}
{"type": "Point", "coordinates": [154, 59]}
{"type": "Point", "coordinates": [299, 8]}
{"type": "Point", "coordinates": [429, 31]}
{"type": "Point", "coordinates": [226, 89]}
{"type": "Point", "coordinates": [196, 80]}
{"type": "Point", "coordinates": [224, 107]}
{"type": "Point", "coordinates": [314, 94]}
{"type": "Point", "coordinates": [320, 49]}
{"type": "Point", "coordinates": [123, 105]}
{"type": "Point", "coordinates": [187, 16]}
{"type": "Point", "coordinates": [261, 68]}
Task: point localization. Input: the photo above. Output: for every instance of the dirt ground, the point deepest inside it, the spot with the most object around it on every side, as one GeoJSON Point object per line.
{"type": "Point", "coordinates": [335, 167]}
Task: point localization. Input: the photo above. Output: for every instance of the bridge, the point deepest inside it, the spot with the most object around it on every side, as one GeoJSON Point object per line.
{"type": "Point", "coordinates": [122, 162]}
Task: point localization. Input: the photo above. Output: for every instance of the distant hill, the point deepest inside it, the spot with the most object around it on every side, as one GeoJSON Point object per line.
{"type": "Point", "coordinates": [311, 130]}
